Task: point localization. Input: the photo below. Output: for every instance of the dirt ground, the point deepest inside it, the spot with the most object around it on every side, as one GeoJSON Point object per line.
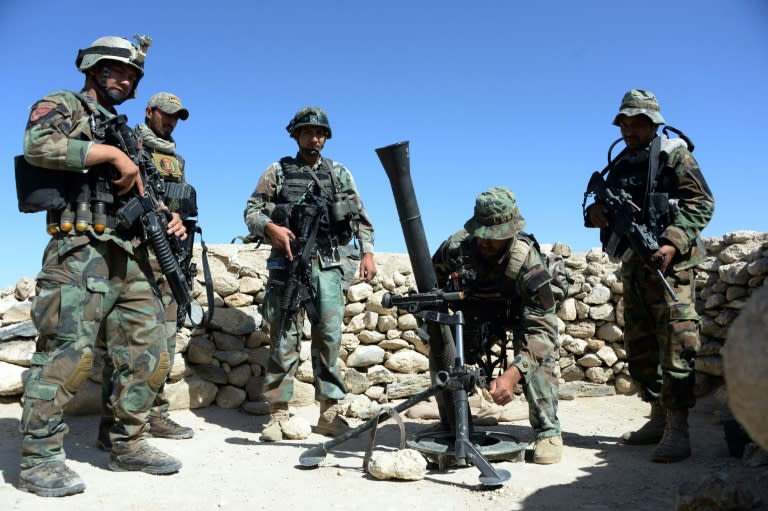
{"type": "Point", "coordinates": [227, 468]}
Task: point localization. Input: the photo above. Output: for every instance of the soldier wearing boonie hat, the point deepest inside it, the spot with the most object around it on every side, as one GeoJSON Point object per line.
{"type": "Point", "coordinates": [507, 287]}
{"type": "Point", "coordinates": [640, 102]}
{"type": "Point", "coordinates": [674, 204]}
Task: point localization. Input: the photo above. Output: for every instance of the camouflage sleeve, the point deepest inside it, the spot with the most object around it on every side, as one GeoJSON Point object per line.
{"type": "Point", "coordinates": [261, 203]}
{"type": "Point", "coordinates": [695, 201]}
{"type": "Point", "coordinates": [365, 232]}
{"type": "Point", "coordinates": [57, 135]}
{"type": "Point", "coordinates": [539, 322]}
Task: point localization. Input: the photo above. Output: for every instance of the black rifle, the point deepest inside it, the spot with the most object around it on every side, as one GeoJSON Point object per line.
{"type": "Point", "coordinates": [171, 252]}
{"type": "Point", "coordinates": [460, 379]}
{"type": "Point", "coordinates": [621, 212]}
{"type": "Point", "coordinates": [297, 293]}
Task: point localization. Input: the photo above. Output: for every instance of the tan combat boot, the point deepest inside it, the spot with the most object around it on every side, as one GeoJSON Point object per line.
{"type": "Point", "coordinates": [675, 445]}
{"type": "Point", "coordinates": [273, 432]}
{"type": "Point", "coordinates": [548, 450]}
{"type": "Point", "coordinates": [140, 456]}
{"type": "Point", "coordinates": [330, 422]}
{"type": "Point", "coordinates": [50, 479]}
{"type": "Point", "coordinates": [650, 432]}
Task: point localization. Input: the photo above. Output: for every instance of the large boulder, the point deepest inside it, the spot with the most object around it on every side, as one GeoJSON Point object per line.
{"type": "Point", "coordinates": [745, 361]}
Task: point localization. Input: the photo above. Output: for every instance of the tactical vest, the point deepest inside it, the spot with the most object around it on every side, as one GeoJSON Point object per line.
{"type": "Point", "coordinates": [495, 286]}
{"type": "Point", "coordinates": [649, 187]}
{"type": "Point", "coordinates": [296, 183]}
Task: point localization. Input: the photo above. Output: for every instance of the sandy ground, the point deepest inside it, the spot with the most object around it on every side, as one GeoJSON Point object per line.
{"type": "Point", "coordinates": [226, 467]}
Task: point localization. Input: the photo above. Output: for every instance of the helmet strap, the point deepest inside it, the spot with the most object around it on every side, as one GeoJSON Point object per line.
{"type": "Point", "coordinates": [111, 97]}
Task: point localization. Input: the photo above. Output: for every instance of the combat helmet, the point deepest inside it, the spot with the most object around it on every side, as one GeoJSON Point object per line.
{"type": "Point", "coordinates": [309, 116]}
{"type": "Point", "coordinates": [119, 49]}
{"type": "Point", "coordinates": [496, 217]}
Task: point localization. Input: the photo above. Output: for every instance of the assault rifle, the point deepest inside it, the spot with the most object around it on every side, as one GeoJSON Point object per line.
{"type": "Point", "coordinates": [171, 252]}
{"type": "Point", "coordinates": [432, 307]}
{"type": "Point", "coordinates": [306, 216]}
{"type": "Point", "coordinates": [621, 212]}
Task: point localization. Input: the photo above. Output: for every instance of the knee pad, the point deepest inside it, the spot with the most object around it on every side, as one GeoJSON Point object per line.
{"type": "Point", "coordinates": [78, 376]}
{"type": "Point", "coordinates": [159, 375]}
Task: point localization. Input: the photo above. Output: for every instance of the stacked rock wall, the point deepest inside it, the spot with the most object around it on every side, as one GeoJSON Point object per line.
{"type": "Point", "coordinates": [382, 356]}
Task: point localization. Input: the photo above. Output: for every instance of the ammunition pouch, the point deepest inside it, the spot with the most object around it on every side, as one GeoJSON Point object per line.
{"type": "Point", "coordinates": [181, 198]}
{"type": "Point", "coordinates": [39, 189]}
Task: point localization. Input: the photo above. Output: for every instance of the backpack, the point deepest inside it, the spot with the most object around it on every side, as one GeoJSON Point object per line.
{"type": "Point", "coordinates": [560, 278]}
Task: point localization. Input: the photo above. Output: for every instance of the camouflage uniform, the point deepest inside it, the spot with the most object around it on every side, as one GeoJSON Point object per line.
{"type": "Point", "coordinates": [170, 166]}
{"type": "Point", "coordinates": [89, 283]}
{"type": "Point", "coordinates": [326, 284]}
{"type": "Point", "coordinates": [511, 293]}
{"type": "Point", "coordinates": [96, 278]}
{"type": "Point", "coordinates": [661, 336]}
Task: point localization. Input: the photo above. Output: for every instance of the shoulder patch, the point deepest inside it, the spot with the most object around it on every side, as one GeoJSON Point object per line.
{"type": "Point", "coordinates": [41, 110]}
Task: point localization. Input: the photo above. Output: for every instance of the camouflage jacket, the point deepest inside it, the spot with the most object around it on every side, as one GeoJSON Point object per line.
{"type": "Point", "coordinates": [58, 136]}
{"type": "Point", "coordinates": [515, 289]}
{"type": "Point", "coordinates": [263, 200]}
{"type": "Point", "coordinates": [680, 177]}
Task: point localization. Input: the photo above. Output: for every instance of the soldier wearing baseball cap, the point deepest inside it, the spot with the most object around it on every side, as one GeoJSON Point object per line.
{"type": "Point", "coordinates": [168, 103]}
{"type": "Point", "coordinates": [163, 111]}
{"type": "Point", "coordinates": [673, 203]}
{"type": "Point", "coordinates": [507, 288]}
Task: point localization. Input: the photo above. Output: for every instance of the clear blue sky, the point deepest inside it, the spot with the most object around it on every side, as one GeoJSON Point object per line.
{"type": "Point", "coordinates": [488, 93]}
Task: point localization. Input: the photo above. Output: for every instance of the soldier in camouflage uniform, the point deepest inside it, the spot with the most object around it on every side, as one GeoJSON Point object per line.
{"type": "Point", "coordinates": [161, 116]}
{"type": "Point", "coordinates": [283, 188]}
{"type": "Point", "coordinates": [661, 335]}
{"type": "Point", "coordinates": [507, 288]}
{"type": "Point", "coordinates": [95, 280]}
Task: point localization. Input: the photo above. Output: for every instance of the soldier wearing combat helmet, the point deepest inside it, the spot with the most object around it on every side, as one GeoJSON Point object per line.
{"type": "Point", "coordinates": [507, 288]}
{"type": "Point", "coordinates": [94, 276]}
{"type": "Point", "coordinates": [661, 332]}
{"type": "Point", "coordinates": [273, 212]}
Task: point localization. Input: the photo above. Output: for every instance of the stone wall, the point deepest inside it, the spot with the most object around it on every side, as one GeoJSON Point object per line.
{"type": "Point", "coordinates": [381, 355]}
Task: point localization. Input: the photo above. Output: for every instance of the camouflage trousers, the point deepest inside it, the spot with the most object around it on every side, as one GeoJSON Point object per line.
{"type": "Point", "coordinates": [326, 338]}
{"type": "Point", "coordinates": [161, 405]}
{"type": "Point", "coordinates": [661, 336]}
{"type": "Point", "coordinates": [89, 288]}
{"type": "Point", "coordinates": [540, 384]}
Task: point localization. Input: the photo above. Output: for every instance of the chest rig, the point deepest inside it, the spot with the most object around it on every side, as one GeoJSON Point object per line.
{"type": "Point", "coordinates": [304, 190]}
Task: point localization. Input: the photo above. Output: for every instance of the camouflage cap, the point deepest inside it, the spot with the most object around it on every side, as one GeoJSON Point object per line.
{"type": "Point", "coordinates": [496, 217]}
{"type": "Point", "coordinates": [168, 103]}
{"type": "Point", "coordinates": [637, 102]}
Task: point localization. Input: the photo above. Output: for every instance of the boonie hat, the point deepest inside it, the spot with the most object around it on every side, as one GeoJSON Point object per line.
{"type": "Point", "coordinates": [496, 217]}
{"type": "Point", "coordinates": [168, 103]}
{"type": "Point", "coordinates": [639, 101]}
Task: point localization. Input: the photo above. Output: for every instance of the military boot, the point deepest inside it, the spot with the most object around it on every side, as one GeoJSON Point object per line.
{"type": "Point", "coordinates": [675, 445]}
{"type": "Point", "coordinates": [165, 427]}
{"type": "Point", "coordinates": [273, 432]}
{"type": "Point", "coordinates": [548, 450]}
{"type": "Point", "coordinates": [140, 456]}
{"type": "Point", "coordinates": [103, 441]}
{"type": "Point", "coordinates": [50, 479]}
{"type": "Point", "coordinates": [330, 422]}
{"type": "Point", "coordinates": [650, 432]}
